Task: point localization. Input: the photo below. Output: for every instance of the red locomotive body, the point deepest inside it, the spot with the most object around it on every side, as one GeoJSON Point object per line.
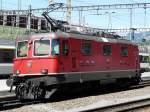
{"type": "Point", "coordinates": [45, 61]}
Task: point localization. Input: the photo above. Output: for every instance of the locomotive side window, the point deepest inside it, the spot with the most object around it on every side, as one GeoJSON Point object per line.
{"type": "Point", "coordinates": [86, 48]}
{"type": "Point", "coordinates": [55, 47]}
{"type": "Point", "coordinates": [65, 47]}
{"type": "Point", "coordinates": [107, 50]}
{"type": "Point", "coordinates": [41, 47]}
{"type": "Point", "coordinates": [22, 49]}
{"type": "Point", "coordinates": [124, 51]}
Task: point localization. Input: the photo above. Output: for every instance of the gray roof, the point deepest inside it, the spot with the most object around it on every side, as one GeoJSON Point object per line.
{"type": "Point", "coordinates": [60, 34]}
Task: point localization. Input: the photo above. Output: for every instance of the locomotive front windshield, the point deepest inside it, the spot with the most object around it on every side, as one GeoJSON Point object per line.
{"type": "Point", "coordinates": [41, 47]}
{"type": "Point", "coordinates": [22, 49]}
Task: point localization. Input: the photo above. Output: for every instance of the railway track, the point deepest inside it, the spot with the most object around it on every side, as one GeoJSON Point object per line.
{"type": "Point", "coordinates": [12, 102]}
{"type": "Point", "coordinates": [125, 106]}
{"type": "Point", "coordinates": [7, 105]}
{"type": "Point", "coordinates": [8, 102]}
{"type": "Point", "coordinates": [142, 84]}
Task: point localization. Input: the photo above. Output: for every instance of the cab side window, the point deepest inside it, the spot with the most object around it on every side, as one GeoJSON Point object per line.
{"type": "Point", "coordinates": [55, 47]}
{"type": "Point", "coordinates": [65, 47]}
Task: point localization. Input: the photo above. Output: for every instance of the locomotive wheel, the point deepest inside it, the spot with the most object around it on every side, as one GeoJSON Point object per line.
{"type": "Point", "coordinates": [26, 91]}
{"type": "Point", "coordinates": [38, 92]}
{"type": "Point", "coordinates": [21, 92]}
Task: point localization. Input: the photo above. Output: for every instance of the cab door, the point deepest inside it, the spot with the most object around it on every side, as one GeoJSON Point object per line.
{"type": "Point", "coordinates": [65, 56]}
{"type": "Point", "coordinates": [69, 55]}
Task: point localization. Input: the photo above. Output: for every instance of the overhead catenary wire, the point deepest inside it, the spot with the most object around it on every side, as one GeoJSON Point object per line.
{"type": "Point", "coordinates": [92, 7]}
{"type": "Point", "coordinates": [82, 11]}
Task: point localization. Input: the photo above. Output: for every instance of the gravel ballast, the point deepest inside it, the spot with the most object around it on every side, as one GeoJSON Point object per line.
{"type": "Point", "coordinates": [65, 105]}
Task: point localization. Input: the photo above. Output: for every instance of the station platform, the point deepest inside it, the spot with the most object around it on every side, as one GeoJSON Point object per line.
{"type": "Point", "coordinates": [3, 86]}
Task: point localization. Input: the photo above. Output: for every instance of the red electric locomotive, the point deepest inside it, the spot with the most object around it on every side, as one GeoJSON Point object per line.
{"type": "Point", "coordinates": [49, 60]}
{"type": "Point", "coordinates": [45, 62]}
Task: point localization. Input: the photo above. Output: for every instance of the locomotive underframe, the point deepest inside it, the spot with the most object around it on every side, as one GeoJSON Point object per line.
{"type": "Point", "coordinates": [35, 87]}
{"type": "Point", "coordinates": [79, 77]}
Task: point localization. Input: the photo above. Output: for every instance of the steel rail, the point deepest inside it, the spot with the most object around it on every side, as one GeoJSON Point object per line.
{"type": "Point", "coordinates": [126, 106]}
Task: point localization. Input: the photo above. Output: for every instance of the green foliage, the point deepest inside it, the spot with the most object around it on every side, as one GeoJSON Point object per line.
{"type": "Point", "coordinates": [11, 32]}
{"type": "Point", "coordinates": [8, 32]}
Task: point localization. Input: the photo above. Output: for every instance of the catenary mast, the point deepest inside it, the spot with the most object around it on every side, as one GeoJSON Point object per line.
{"type": "Point", "coordinates": [68, 14]}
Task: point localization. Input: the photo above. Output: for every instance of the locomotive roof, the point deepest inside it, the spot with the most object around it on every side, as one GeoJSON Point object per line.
{"type": "Point", "coordinates": [60, 34]}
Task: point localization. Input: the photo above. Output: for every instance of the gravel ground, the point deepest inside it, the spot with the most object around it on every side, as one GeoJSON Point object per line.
{"type": "Point", "coordinates": [83, 101]}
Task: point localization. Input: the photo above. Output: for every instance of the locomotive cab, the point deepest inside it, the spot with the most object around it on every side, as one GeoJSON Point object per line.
{"type": "Point", "coordinates": [35, 57]}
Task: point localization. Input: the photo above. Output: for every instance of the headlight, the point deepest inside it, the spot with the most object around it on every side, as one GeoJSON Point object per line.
{"type": "Point", "coordinates": [17, 72]}
{"type": "Point", "coordinates": [44, 71]}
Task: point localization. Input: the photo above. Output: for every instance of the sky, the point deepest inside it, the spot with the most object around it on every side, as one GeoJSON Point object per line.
{"type": "Point", "coordinates": [104, 19]}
